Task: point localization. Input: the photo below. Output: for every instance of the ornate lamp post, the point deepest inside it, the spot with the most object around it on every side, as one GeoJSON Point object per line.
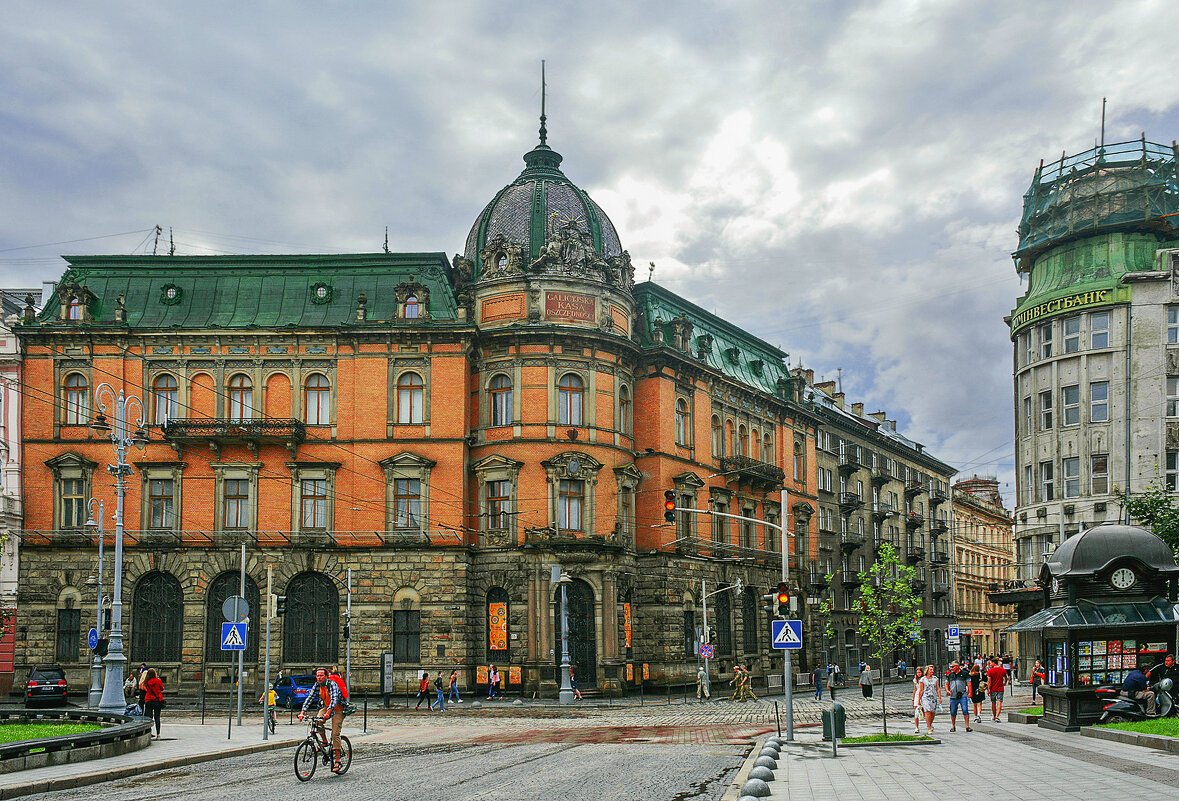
{"type": "Point", "coordinates": [566, 694]}
{"type": "Point", "coordinates": [96, 661]}
{"type": "Point", "coordinates": [121, 437]}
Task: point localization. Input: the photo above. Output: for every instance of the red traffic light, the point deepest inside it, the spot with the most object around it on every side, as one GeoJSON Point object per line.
{"type": "Point", "coordinates": [783, 594]}
{"type": "Point", "coordinates": [669, 506]}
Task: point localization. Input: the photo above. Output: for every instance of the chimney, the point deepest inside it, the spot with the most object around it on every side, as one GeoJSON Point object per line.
{"type": "Point", "coordinates": [877, 416]}
{"type": "Point", "coordinates": [858, 409]}
{"type": "Point", "coordinates": [826, 387]}
{"type": "Point", "coordinates": [839, 399]}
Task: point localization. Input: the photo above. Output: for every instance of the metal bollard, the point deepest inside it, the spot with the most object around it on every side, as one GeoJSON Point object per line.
{"type": "Point", "coordinates": [202, 705]}
{"type": "Point", "coordinates": [366, 712]}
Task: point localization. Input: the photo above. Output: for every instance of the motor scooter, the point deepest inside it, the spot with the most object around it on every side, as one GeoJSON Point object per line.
{"type": "Point", "coordinates": [1126, 710]}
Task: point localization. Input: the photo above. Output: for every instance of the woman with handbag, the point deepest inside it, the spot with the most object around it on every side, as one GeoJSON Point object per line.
{"type": "Point", "coordinates": [978, 691]}
{"type": "Point", "coordinates": [931, 697]}
{"type": "Point", "coordinates": [153, 698]}
{"type": "Point", "coordinates": [1037, 678]}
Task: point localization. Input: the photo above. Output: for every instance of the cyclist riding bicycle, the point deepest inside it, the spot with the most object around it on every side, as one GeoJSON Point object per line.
{"type": "Point", "coordinates": [325, 696]}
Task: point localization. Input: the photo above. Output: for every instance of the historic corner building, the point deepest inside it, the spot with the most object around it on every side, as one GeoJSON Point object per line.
{"type": "Point", "coordinates": [984, 563]}
{"type": "Point", "coordinates": [449, 429]}
{"type": "Point", "coordinates": [1096, 340]}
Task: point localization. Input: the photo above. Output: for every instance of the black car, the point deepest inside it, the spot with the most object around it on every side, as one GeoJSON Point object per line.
{"type": "Point", "coordinates": [46, 684]}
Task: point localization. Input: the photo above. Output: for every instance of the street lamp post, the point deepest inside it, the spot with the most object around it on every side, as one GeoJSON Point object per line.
{"type": "Point", "coordinates": [121, 437]}
{"type": "Point", "coordinates": [96, 660]}
{"type": "Point", "coordinates": [566, 695]}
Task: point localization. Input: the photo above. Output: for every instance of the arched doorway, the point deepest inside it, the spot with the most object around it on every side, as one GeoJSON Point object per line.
{"type": "Point", "coordinates": [583, 648]}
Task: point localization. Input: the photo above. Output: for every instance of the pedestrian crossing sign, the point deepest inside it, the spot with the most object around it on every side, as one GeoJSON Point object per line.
{"type": "Point", "coordinates": [233, 636]}
{"type": "Point", "coordinates": [786, 634]}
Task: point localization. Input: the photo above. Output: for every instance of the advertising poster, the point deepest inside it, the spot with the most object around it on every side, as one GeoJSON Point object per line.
{"type": "Point", "coordinates": [514, 675]}
{"type": "Point", "coordinates": [626, 622]}
{"type": "Point", "coordinates": [1099, 648]}
{"type": "Point", "coordinates": [630, 672]}
{"type": "Point", "coordinates": [646, 671]}
{"type": "Point", "coordinates": [1113, 647]}
{"type": "Point", "coordinates": [497, 625]}
{"type": "Point", "coordinates": [1084, 648]}
{"type": "Point", "coordinates": [481, 674]}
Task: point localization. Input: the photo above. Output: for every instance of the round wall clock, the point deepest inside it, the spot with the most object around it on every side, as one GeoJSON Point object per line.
{"type": "Point", "coordinates": [1055, 586]}
{"type": "Point", "coordinates": [1123, 578]}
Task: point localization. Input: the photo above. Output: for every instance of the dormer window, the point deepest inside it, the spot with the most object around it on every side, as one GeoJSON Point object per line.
{"type": "Point", "coordinates": [501, 262]}
{"type": "Point", "coordinates": [74, 308]}
{"type": "Point", "coordinates": [411, 307]}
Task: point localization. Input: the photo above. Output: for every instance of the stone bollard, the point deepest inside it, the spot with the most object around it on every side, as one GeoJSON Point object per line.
{"type": "Point", "coordinates": [765, 774]}
{"type": "Point", "coordinates": [766, 762]}
{"type": "Point", "coordinates": [769, 752]}
{"type": "Point", "coordinates": [756, 787]}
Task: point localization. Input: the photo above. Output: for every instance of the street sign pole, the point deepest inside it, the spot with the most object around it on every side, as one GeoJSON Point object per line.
{"type": "Point", "coordinates": [788, 667]}
{"type": "Point", "coordinates": [241, 655]}
{"type": "Point", "coordinates": [266, 685]}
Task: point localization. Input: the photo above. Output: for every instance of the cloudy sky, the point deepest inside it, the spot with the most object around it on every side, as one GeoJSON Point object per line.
{"type": "Point", "coordinates": [843, 179]}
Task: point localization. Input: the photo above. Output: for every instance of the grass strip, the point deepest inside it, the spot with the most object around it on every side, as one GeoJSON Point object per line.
{"type": "Point", "coordinates": [14, 732]}
{"type": "Point", "coordinates": [1167, 727]}
{"type": "Point", "coordinates": [886, 738]}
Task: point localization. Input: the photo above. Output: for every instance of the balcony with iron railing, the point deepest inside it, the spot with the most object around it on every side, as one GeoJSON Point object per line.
{"type": "Point", "coordinates": [881, 475]}
{"type": "Point", "coordinates": [850, 502]}
{"type": "Point", "coordinates": [251, 433]}
{"type": "Point", "coordinates": [884, 539]}
{"type": "Point", "coordinates": [849, 461]}
{"type": "Point", "coordinates": [938, 556]}
{"type": "Point", "coordinates": [920, 581]}
{"type": "Point", "coordinates": [913, 488]}
{"type": "Point", "coordinates": [913, 521]}
{"type": "Point", "coordinates": [914, 550]}
{"type": "Point", "coordinates": [937, 526]}
{"type": "Point", "coordinates": [758, 473]}
{"type": "Point", "coordinates": [882, 510]}
{"type": "Point", "coordinates": [818, 580]}
{"type": "Point", "coordinates": [937, 496]}
{"type": "Point", "coordinates": [939, 587]}
{"type": "Point", "coordinates": [850, 540]}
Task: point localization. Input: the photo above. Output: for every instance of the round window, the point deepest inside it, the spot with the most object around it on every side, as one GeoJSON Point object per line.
{"type": "Point", "coordinates": [170, 292]}
{"type": "Point", "coordinates": [321, 291]}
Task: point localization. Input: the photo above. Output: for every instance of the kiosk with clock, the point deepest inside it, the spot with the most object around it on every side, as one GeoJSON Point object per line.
{"type": "Point", "coordinates": [1110, 594]}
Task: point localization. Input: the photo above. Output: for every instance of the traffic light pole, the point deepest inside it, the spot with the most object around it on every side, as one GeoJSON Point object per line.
{"type": "Point", "coordinates": [788, 668]}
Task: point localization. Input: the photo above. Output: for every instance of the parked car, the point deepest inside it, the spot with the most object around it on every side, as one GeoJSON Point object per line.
{"type": "Point", "coordinates": [291, 691]}
{"type": "Point", "coordinates": [46, 684]}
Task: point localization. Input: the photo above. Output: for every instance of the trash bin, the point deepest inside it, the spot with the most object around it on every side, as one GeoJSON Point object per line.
{"type": "Point", "coordinates": [840, 721]}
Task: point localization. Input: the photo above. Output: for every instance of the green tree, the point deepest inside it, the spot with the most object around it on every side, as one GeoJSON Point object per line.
{"type": "Point", "coordinates": [1154, 508]}
{"type": "Point", "coordinates": [890, 612]}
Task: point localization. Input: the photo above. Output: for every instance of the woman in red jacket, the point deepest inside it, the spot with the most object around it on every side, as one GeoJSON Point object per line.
{"type": "Point", "coordinates": [153, 698]}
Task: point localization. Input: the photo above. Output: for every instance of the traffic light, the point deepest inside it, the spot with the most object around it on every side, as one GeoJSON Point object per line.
{"type": "Point", "coordinates": [769, 603]}
{"type": "Point", "coordinates": [669, 506]}
{"type": "Point", "coordinates": [280, 605]}
{"type": "Point", "coordinates": [782, 596]}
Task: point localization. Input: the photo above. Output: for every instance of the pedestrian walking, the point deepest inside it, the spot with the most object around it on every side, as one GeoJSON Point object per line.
{"type": "Point", "coordinates": [747, 684]}
{"type": "Point", "coordinates": [996, 682]}
{"type": "Point", "coordinates": [454, 695]}
{"type": "Point", "coordinates": [832, 677]}
{"type": "Point", "coordinates": [702, 689]}
{"type": "Point", "coordinates": [931, 697]}
{"type": "Point", "coordinates": [978, 691]}
{"type": "Point", "coordinates": [817, 680]}
{"type": "Point", "coordinates": [958, 688]}
{"type": "Point", "coordinates": [142, 689]}
{"type": "Point", "coordinates": [440, 689]}
{"type": "Point", "coordinates": [866, 680]}
{"type": "Point", "coordinates": [901, 668]}
{"type": "Point", "coordinates": [492, 682]}
{"type": "Point", "coordinates": [735, 683]}
{"type": "Point", "coordinates": [1036, 679]}
{"type": "Point", "coordinates": [917, 713]}
{"type": "Point", "coordinates": [153, 697]}
{"type": "Point", "coordinates": [838, 675]}
{"type": "Point", "coordinates": [423, 690]}
{"type": "Point", "coordinates": [573, 684]}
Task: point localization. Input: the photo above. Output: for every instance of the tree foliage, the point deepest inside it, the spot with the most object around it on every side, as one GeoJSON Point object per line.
{"type": "Point", "coordinates": [1154, 508]}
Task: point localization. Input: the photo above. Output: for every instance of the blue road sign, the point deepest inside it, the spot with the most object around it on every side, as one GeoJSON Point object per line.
{"type": "Point", "coordinates": [706, 651]}
{"type": "Point", "coordinates": [92, 639]}
{"type": "Point", "coordinates": [233, 636]}
{"type": "Point", "coordinates": [952, 632]}
{"type": "Point", "coordinates": [786, 634]}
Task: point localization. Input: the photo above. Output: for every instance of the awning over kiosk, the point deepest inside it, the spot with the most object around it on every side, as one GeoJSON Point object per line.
{"type": "Point", "coordinates": [1086, 614]}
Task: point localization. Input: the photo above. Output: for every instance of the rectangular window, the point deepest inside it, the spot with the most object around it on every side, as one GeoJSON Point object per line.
{"type": "Point", "coordinates": [69, 634]}
{"type": "Point", "coordinates": [1099, 329]}
{"type": "Point", "coordinates": [1071, 470]}
{"type": "Point", "coordinates": [626, 505]}
{"type": "Point", "coordinates": [1072, 334]}
{"type": "Point", "coordinates": [161, 498]}
{"type": "Point", "coordinates": [1099, 473]}
{"type": "Point", "coordinates": [1046, 485]}
{"type": "Point", "coordinates": [689, 632]}
{"type": "Point", "coordinates": [720, 525]}
{"type": "Point", "coordinates": [1173, 397]}
{"type": "Point", "coordinates": [1173, 325]}
{"type": "Point", "coordinates": [315, 503]}
{"type": "Point", "coordinates": [407, 499]}
{"type": "Point", "coordinates": [569, 504]}
{"type": "Point", "coordinates": [237, 503]}
{"type": "Point", "coordinates": [1071, 401]}
{"type": "Point", "coordinates": [407, 636]}
{"type": "Point", "coordinates": [499, 504]}
{"type": "Point", "coordinates": [73, 503]}
{"type": "Point", "coordinates": [1028, 416]}
{"type": "Point", "coordinates": [1099, 402]}
{"type": "Point", "coordinates": [1045, 334]}
{"type": "Point", "coordinates": [1172, 475]}
{"type": "Point", "coordinates": [1029, 348]}
{"type": "Point", "coordinates": [1046, 410]}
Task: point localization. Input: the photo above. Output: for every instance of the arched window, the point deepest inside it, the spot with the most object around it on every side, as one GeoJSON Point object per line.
{"type": "Point", "coordinates": [723, 625]}
{"type": "Point", "coordinates": [77, 400]}
{"type": "Point", "coordinates": [410, 398]}
{"type": "Point", "coordinates": [570, 391]}
{"type": "Point", "coordinates": [74, 308]}
{"type": "Point", "coordinates": [317, 400]}
{"type": "Point", "coordinates": [500, 390]}
{"type": "Point", "coordinates": [411, 307]}
{"type": "Point", "coordinates": [164, 401]}
{"type": "Point", "coordinates": [624, 409]}
{"type": "Point", "coordinates": [730, 445]}
{"type": "Point", "coordinates": [225, 586]}
{"type": "Point", "coordinates": [311, 627]}
{"type": "Point", "coordinates": [157, 619]}
{"type": "Point", "coordinates": [498, 631]}
{"type": "Point", "coordinates": [241, 398]}
{"type": "Point", "coordinates": [681, 422]}
{"type": "Point", "coordinates": [743, 441]}
{"type": "Point", "coordinates": [755, 444]}
{"type": "Point", "coordinates": [767, 449]}
{"type": "Point", "coordinates": [749, 628]}
{"type": "Point", "coordinates": [718, 440]}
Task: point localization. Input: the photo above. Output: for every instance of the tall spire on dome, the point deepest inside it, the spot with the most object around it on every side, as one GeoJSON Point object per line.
{"type": "Point", "coordinates": [542, 159]}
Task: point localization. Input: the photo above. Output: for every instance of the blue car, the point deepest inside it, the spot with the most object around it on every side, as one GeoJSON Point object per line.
{"type": "Point", "coordinates": [291, 691]}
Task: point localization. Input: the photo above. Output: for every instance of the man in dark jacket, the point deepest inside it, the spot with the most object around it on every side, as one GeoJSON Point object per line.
{"type": "Point", "coordinates": [958, 688]}
{"type": "Point", "coordinates": [1135, 686]}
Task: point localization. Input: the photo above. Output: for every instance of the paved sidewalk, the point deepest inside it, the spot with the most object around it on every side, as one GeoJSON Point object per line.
{"type": "Point", "coordinates": [996, 760]}
{"type": "Point", "coordinates": [180, 744]}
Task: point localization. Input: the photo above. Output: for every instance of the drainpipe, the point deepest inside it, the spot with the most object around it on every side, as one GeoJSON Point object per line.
{"type": "Point", "coordinates": [1129, 341]}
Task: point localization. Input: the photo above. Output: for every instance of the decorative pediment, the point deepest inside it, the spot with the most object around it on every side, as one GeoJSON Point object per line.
{"type": "Point", "coordinates": [803, 511]}
{"type": "Point", "coordinates": [70, 460]}
{"type": "Point", "coordinates": [406, 461]}
{"type": "Point", "coordinates": [687, 480]}
{"type": "Point", "coordinates": [629, 472]}
{"type": "Point", "coordinates": [572, 464]}
{"type": "Point", "coordinates": [496, 462]}
{"type": "Point", "coordinates": [500, 258]}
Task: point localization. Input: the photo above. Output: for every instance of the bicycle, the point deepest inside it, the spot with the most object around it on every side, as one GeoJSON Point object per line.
{"type": "Point", "coordinates": [312, 750]}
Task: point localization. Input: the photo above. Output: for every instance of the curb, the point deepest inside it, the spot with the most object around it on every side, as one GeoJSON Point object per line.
{"type": "Point", "coordinates": [892, 744]}
{"type": "Point", "coordinates": [1022, 717]}
{"type": "Point", "coordinates": [1158, 742]}
{"type": "Point", "coordinates": [734, 790]}
{"type": "Point", "coordinates": [110, 774]}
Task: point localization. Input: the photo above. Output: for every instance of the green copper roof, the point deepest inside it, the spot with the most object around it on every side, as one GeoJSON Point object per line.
{"type": "Point", "coordinates": [272, 291]}
{"type": "Point", "coordinates": [719, 344]}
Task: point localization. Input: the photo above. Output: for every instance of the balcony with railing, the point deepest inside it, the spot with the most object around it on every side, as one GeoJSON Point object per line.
{"type": "Point", "coordinates": [937, 496]}
{"type": "Point", "coordinates": [850, 502]}
{"type": "Point", "coordinates": [849, 460]}
{"type": "Point", "coordinates": [881, 474]}
{"type": "Point", "coordinates": [818, 580]}
{"type": "Point", "coordinates": [920, 581]}
{"type": "Point", "coordinates": [251, 433]}
{"type": "Point", "coordinates": [881, 511]}
{"type": "Point", "coordinates": [850, 539]}
{"type": "Point", "coordinates": [913, 488]}
{"type": "Point", "coordinates": [938, 555]}
{"type": "Point", "coordinates": [939, 586]}
{"type": "Point", "coordinates": [883, 539]}
{"type": "Point", "coordinates": [758, 473]}
{"type": "Point", "coordinates": [914, 550]}
{"type": "Point", "coordinates": [937, 526]}
{"type": "Point", "coordinates": [913, 521]}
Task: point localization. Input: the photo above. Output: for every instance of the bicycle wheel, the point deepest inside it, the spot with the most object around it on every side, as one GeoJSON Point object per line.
{"type": "Point", "coordinates": [270, 722]}
{"type": "Point", "coordinates": [306, 760]}
{"type": "Point", "coordinates": [345, 756]}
